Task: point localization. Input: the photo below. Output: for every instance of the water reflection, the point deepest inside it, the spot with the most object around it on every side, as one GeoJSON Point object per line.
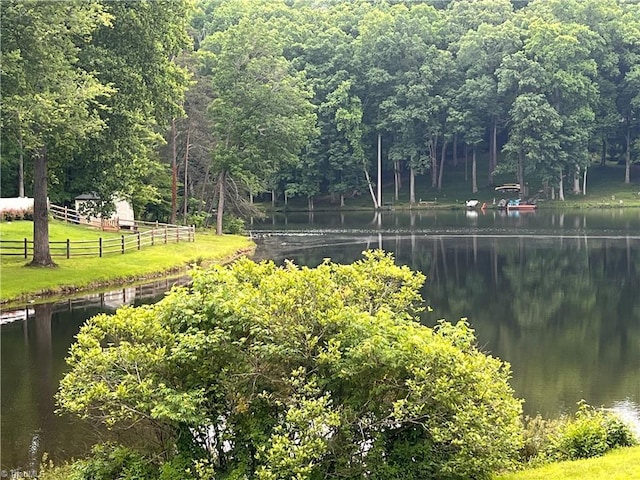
{"type": "Point", "coordinates": [34, 342]}
{"type": "Point", "coordinates": [565, 312]}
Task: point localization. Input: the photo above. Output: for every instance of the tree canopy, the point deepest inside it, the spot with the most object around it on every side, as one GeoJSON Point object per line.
{"type": "Point", "coordinates": [301, 98]}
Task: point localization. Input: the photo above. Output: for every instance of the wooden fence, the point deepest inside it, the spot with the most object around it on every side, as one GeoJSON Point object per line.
{"type": "Point", "coordinates": [143, 234]}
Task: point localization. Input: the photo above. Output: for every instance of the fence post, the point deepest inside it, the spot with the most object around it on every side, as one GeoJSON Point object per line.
{"type": "Point", "coordinates": [177, 234]}
{"type": "Point", "coordinates": [122, 243]}
{"type": "Point", "coordinates": [65, 215]}
{"type": "Point", "coordinates": [138, 240]}
{"type": "Point", "coordinates": [68, 247]}
{"type": "Point", "coordinates": [100, 246]}
{"type": "Point", "coordinates": [25, 248]}
{"type": "Point", "coordinates": [165, 234]}
{"type": "Point", "coordinates": [153, 231]}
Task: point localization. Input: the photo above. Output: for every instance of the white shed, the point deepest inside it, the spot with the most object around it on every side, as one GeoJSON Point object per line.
{"type": "Point", "coordinates": [122, 217]}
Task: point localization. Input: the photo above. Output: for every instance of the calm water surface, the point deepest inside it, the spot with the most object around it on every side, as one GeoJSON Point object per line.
{"type": "Point", "coordinates": [555, 294]}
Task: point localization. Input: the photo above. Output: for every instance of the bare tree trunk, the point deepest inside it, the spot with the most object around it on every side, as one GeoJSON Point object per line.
{"type": "Point", "coordinates": [584, 181]}
{"type": "Point", "coordinates": [396, 179]}
{"type": "Point", "coordinates": [379, 170]}
{"type": "Point", "coordinates": [186, 178]}
{"type": "Point", "coordinates": [561, 188]}
{"type": "Point", "coordinates": [466, 162]}
{"type": "Point", "coordinates": [310, 203]}
{"type": "Point", "coordinates": [20, 165]}
{"type": "Point", "coordinates": [455, 149]}
{"type": "Point", "coordinates": [493, 156]}
{"type": "Point", "coordinates": [576, 181]}
{"type": "Point", "coordinates": [41, 252]}
{"type": "Point", "coordinates": [627, 158]}
{"type": "Point", "coordinates": [412, 186]}
{"type": "Point", "coordinates": [174, 173]}
{"type": "Point", "coordinates": [474, 179]}
{"type": "Point", "coordinates": [222, 187]}
{"type": "Point", "coordinates": [443, 154]}
{"type": "Point", "coordinates": [433, 152]}
{"type": "Point", "coordinates": [603, 157]}
{"type": "Point", "coordinates": [376, 205]}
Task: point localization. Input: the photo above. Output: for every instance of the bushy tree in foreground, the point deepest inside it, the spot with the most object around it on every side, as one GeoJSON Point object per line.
{"type": "Point", "coordinates": [291, 372]}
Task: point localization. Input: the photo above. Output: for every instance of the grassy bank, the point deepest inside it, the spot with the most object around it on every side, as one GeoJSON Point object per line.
{"type": "Point", "coordinates": [20, 283]}
{"type": "Point", "coordinates": [621, 464]}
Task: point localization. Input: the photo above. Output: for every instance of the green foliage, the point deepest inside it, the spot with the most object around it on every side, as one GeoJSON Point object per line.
{"type": "Point", "coordinates": [114, 462]}
{"type": "Point", "coordinates": [591, 434]}
{"type": "Point", "coordinates": [233, 225]}
{"type": "Point", "coordinates": [290, 372]}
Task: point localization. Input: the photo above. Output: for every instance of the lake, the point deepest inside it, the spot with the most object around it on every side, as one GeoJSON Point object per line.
{"type": "Point", "coordinates": [556, 294]}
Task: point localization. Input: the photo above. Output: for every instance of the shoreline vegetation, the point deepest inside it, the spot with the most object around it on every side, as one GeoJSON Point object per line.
{"type": "Point", "coordinates": [618, 464]}
{"type": "Point", "coordinates": [20, 284]}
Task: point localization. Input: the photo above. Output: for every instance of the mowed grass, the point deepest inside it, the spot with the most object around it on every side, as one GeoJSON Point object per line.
{"type": "Point", "coordinates": [19, 283]}
{"type": "Point", "coordinates": [620, 464]}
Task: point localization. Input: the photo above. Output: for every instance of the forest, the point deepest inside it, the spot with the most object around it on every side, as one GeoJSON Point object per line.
{"type": "Point", "coordinates": [190, 108]}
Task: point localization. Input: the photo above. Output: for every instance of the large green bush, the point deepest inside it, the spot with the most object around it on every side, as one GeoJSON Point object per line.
{"type": "Point", "coordinates": [290, 372]}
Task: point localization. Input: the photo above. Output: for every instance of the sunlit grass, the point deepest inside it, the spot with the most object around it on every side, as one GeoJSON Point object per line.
{"type": "Point", "coordinates": [20, 282]}
{"type": "Point", "coordinates": [620, 464]}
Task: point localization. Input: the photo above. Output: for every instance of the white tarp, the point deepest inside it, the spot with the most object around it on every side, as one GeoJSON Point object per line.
{"type": "Point", "coordinates": [16, 203]}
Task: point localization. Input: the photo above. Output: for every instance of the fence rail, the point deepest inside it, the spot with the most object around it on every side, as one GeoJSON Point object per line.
{"type": "Point", "coordinates": [144, 234]}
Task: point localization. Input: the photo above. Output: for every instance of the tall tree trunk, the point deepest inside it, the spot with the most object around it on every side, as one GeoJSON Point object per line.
{"type": "Point", "coordinates": [443, 154]}
{"type": "Point", "coordinates": [466, 162]}
{"type": "Point", "coordinates": [376, 205]}
{"type": "Point", "coordinates": [455, 149]}
{"type": "Point", "coordinates": [174, 173]}
{"type": "Point", "coordinates": [186, 178]}
{"type": "Point", "coordinates": [20, 165]}
{"type": "Point", "coordinates": [561, 188]}
{"type": "Point", "coordinates": [433, 152]}
{"type": "Point", "coordinates": [584, 181]}
{"type": "Point", "coordinates": [627, 157]}
{"type": "Point", "coordinates": [576, 181]}
{"type": "Point", "coordinates": [474, 179]}
{"type": "Point", "coordinates": [379, 170]}
{"type": "Point", "coordinates": [396, 180]}
{"type": "Point", "coordinates": [603, 156]}
{"type": "Point", "coordinates": [493, 150]}
{"type": "Point", "coordinates": [222, 187]}
{"type": "Point", "coordinates": [520, 173]}
{"type": "Point", "coordinates": [41, 252]}
{"type": "Point", "coordinates": [310, 203]}
{"type": "Point", "coordinates": [412, 186]}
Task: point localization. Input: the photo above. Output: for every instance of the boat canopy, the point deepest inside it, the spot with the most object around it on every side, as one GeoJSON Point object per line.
{"type": "Point", "coordinates": [508, 187]}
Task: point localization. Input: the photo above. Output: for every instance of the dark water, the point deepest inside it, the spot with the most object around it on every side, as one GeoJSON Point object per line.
{"type": "Point", "coordinates": [555, 294]}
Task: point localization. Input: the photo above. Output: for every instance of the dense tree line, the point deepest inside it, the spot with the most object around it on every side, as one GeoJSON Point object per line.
{"type": "Point", "coordinates": [307, 97]}
{"type": "Point", "coordinates": [545, 88]}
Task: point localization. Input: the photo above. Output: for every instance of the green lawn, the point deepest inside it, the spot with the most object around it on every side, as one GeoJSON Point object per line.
{"type": "Point", "coordinates": [621, 464]}
{"type": "Point", "coordinates": [18, 282]}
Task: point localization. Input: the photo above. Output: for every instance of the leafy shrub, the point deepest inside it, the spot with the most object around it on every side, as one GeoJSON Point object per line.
{"type": "Point", "coordinates": [537, 438]}
{"type": "Point", "coordinates": [16, 214]}
{"type": "Point", "coordinates": [304, 373]}
{"type": "Point", "coordinates": [592, 433]}
{"type": "Point", "coordinates": [232, 225]}
{"type": "Point", "coordinates": [199, 219]}
{"type": "Point", "coordinates": [114, 462]}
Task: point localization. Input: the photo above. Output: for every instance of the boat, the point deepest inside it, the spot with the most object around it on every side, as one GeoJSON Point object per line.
{"type": "Point", "coordinates": [517, 205]}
